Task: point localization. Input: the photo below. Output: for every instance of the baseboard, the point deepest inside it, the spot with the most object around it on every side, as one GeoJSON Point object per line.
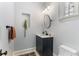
{"type": "Point", "coordinates": [10, 53]}
{"type": "Point", "coordinates": [54, 54]}
{"type": "Point", "coordinates": [20, 52]}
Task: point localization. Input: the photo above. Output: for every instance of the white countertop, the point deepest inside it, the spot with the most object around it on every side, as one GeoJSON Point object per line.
{"type": "Point", "coordinates": [43, 36]}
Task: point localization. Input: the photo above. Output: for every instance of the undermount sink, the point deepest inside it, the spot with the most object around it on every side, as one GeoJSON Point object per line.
{"type": "Point", "coordinates": [43, 36]}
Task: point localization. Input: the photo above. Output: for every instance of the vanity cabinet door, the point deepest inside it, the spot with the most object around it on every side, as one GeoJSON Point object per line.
{"type": "Point", "coordinates": [44, 46]}
{"type": "Point", "coordinates": [39, 45]}
{"type": "Point", "coordinates": [48, 46]}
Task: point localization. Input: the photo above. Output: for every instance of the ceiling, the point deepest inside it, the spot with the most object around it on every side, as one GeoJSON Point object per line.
{"type": "Point", "coordinates": [44, 5]}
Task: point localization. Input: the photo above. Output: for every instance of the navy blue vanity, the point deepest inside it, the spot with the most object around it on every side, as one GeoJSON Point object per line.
{"type": "Point", "coordinates": [44, 45]}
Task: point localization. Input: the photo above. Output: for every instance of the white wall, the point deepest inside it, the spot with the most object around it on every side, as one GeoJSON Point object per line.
{"type": "Point", "coordinates": [35, 25]}
{"type": "Point", "coordinates": [6, 18]}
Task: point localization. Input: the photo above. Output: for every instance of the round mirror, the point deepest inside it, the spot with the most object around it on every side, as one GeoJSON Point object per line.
{"type": "Point", "coordinates": [47, 21]}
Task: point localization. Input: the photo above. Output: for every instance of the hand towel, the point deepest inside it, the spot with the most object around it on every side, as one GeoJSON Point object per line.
{"type": "Point", "coordinates": [12, 33]}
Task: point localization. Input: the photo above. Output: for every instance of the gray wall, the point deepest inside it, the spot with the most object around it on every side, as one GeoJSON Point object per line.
{"type": "Point", "coordinates": [35, 25]}
{"type": "Point", "coordinates": [53, 12]}
{"type": "Point", "coordinates": [6, 18]}
{"type": "Point", "coordinates": [65, 32]}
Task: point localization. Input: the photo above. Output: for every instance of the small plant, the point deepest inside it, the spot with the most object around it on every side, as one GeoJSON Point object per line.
{"type": "Point", "coordinates": [25, 27]}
